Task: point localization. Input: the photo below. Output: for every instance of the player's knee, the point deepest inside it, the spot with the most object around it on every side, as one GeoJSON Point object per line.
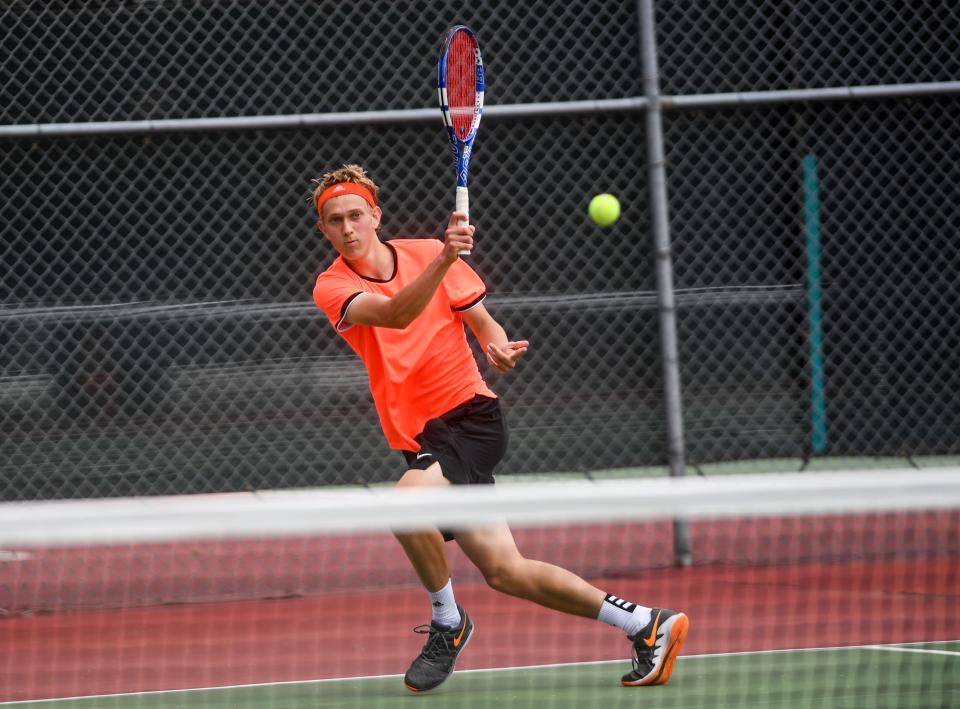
{"type": "Point", "coordinates": [504, 576]}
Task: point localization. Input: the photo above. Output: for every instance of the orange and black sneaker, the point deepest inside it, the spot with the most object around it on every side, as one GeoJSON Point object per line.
{"type": "Point", "coordinates": [655, 648]}
{"type": "Point", "coordinates": [436, 661]}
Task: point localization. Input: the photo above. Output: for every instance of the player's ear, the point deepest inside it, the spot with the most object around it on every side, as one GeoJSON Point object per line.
{"type": "Point", "coordinates": [377, 215]}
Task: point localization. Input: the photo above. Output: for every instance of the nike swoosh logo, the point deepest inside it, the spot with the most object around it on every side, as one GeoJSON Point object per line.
{"type": "Point", "coordinates": [456, 640]}
{"type": "Point", "coordinates": [423, 455]}
{"type": "Point", "coordinates": [653, 633]}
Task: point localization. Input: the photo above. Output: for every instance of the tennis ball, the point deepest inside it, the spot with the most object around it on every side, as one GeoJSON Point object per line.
{"type": "Point", "coordinates": [604, 209]}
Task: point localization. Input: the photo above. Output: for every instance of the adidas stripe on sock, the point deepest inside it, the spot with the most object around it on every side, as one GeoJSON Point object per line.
{"type": "Point", "coordinates": [623, 614]}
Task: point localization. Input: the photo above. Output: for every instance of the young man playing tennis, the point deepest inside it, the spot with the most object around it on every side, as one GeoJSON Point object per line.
{"type": "Point", "coordinates": [401, 306]}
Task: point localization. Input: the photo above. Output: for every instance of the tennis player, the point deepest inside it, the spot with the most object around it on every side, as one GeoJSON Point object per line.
{"type": "Point", "coordinates": [401, 306]}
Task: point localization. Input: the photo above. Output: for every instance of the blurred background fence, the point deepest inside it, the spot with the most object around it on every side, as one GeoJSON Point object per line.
{"type": "Point", "coordinates": [157, 333]}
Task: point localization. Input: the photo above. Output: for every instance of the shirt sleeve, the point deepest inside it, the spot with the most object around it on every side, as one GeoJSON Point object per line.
{"type": "Point", "coordinates": [333, 294]}
{"type": "Point", "coordinates": [464, 287]}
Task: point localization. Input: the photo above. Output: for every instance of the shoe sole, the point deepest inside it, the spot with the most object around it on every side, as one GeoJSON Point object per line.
{"type": "Point", "coordinates": [452, 667]}
{"type": "Point", "coordinates": [678, 633]}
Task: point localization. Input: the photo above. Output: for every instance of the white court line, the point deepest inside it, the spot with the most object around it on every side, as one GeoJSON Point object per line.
{"type": "Point", "coordinates": [894, 648]}
{"type": "Point", "coordinates": [488, 669]}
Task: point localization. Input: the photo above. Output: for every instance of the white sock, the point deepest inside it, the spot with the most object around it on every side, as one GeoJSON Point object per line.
{"type": "Point", "coordinates": [444, 605]}
{"type": "Point", "coordinates": [627, 616]}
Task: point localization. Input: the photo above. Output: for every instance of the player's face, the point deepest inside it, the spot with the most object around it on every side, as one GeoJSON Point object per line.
{"type": "Point", "coordinates": [350, 224]}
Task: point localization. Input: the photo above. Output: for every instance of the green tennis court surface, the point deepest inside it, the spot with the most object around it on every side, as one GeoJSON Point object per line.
{"type": "Point", "coordinates": [915, 675]}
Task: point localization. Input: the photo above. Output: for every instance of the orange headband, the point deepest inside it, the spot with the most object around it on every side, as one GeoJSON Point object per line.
{"type": "Point", "coordinates": [342, 188]}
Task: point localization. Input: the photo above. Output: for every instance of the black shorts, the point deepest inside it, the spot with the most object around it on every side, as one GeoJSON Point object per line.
{"type": "Point", "coordinates": [468, 442]}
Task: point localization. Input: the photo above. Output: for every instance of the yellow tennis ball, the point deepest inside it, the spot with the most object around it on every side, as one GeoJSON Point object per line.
{"type": "Point", "coordinates": [604, 209]}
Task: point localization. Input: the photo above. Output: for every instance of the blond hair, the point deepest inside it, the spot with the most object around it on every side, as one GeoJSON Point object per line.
{"type": "Point", "coordinates": [346, 173]}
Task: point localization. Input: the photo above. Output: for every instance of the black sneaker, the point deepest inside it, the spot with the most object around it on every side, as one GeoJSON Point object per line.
{"type": "Point", "coordinates": [439, 656]}
{"type": "Point", "coordinates": [655, 648]}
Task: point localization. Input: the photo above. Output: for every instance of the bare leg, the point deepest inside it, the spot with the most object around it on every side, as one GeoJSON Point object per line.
{"type": "Point", "coordinates": [425, 549]}
{"type": "Point", "coordinates": [494, 551]}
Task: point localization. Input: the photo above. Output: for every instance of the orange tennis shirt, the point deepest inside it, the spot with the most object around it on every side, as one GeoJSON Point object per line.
{"type": "Point", "coordinates": [424, 370]}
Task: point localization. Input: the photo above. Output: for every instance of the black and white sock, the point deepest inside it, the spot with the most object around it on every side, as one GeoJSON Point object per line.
{"type": "Point", "coordinates": [623, 614]}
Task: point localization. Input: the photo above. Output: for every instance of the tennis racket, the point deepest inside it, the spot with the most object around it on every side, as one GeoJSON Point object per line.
{"type": "Point", "coordinates": [460, 90]}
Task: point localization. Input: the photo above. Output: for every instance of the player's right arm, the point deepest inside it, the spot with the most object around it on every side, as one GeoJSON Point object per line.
{"type": "Point", "coordinates": [403, 308]}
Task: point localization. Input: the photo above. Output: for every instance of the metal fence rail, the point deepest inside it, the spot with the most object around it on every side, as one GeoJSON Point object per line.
{"type": "Point", "coordinates": [156, 331]}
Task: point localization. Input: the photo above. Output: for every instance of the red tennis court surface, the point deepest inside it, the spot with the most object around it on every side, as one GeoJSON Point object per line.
{"type": "Point", "coordinates": [59, 638]}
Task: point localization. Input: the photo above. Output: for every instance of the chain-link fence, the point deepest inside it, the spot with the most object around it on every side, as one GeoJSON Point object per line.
{"type": "Point", "coordinates": [157, 329]}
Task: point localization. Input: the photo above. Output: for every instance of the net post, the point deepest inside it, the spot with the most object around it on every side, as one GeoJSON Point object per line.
{"type": "Point", "coordinates": [660, 229]}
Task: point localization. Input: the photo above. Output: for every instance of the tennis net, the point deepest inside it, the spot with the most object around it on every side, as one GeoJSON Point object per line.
{"type": "Point", "coordinates": [819, 589]}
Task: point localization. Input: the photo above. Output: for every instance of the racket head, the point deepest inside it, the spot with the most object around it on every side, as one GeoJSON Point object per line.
{"type": "Point", "coordinates": [460, 83]}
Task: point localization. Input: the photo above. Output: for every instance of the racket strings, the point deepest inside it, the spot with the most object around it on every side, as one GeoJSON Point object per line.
{"type": "Point", "coordinates": [462, 83]}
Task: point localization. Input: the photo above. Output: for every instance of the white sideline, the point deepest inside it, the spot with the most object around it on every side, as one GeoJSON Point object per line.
{"type": "Point", "coordinates": [895, 648]}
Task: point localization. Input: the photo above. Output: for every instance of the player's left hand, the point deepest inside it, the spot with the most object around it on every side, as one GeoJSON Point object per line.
{"type": "Point", "coordinates": [504, 357]}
